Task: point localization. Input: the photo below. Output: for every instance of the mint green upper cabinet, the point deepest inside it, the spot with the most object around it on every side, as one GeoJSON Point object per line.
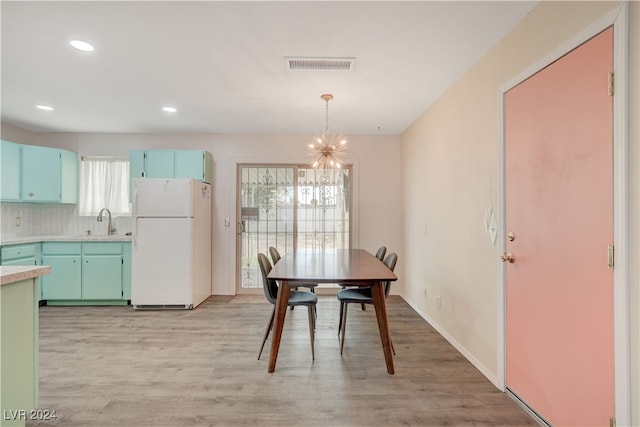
{"type": "Point", "coordinates": [9, 171]}
{"type": "Point", "coordinates": [136, 168]}
{"type": "Point", "coordinates": [68, 176]}
{"type": "Point", "coordinates": [193, 164]}
{"type": "Point", "coordinates": [40, 174]}
{"type": "Point", "coordinates": [160, 164]}
{"type": "Point", "coordinates": [196, 164]}
{"type": "Point", "coordinates": [31, 173]}
{"type": "Point", "coordinates": [136, 163]}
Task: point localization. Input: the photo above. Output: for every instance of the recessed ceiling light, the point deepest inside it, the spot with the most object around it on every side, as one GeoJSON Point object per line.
{"type": "Point", "coordinates": [44, 107]}
{"type": "Point", "coordinates": [80, 45]}
{"type": "Point", "coordinates": [169, 109]}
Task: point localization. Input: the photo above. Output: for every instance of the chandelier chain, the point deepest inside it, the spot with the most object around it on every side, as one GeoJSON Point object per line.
{"type": "Point", "coordinates": [326, 122]}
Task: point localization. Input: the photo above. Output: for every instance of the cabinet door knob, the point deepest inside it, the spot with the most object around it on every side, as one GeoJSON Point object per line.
{"type": "Point", "coordinates": [31, 194]}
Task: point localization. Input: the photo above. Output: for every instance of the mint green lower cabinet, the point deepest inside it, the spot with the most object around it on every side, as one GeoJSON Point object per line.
{"type": "Point", "coordinates": [102, 271]}
{"type": "Point", "coordinates": [101, 277]}
{"type": "Point", "coordinates": [88, 273]}
{"type": "Point", "coordinates": [21, 261]}
{"type": "Point", "coordinates": [64, 281]}
{"type": "Point", "coordinates": [126, 271]}
{"type": "Point", "coordinates": [22, 254]}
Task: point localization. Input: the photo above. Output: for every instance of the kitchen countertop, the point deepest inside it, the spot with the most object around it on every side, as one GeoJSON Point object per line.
{"type": "Point", "coordinates": [65, 238]}
{"type": "Point", "coordinates": [12, 274]}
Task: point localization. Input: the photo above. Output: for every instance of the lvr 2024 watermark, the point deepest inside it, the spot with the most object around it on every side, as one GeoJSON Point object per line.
{"type": "Point", "coordinates": [30, 415]}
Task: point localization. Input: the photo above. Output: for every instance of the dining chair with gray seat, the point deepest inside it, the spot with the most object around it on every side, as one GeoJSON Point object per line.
{"type": "Point", "coordinates": [382, 250]}
{"type": "Point", "coordinates": [296, 298]}
{"type": "Point", "coordinates": [275, 257]}
{"type": "Point", "coordinates": [361, 295]}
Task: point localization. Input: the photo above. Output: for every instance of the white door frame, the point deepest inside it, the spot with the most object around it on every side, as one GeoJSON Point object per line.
{"type": "Point", "coordinates": [622, 382]}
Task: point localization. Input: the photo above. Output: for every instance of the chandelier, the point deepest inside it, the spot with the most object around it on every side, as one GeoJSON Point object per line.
{"type": "Point", "coordinates": [327, 149]}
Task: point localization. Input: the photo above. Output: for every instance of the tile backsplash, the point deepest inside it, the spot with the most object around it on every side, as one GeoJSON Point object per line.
{"type": "Point", "coordinates": [38, 219]}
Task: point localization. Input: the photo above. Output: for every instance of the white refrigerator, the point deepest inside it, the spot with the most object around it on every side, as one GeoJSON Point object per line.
{"type": "Point", "coordinates": [171, 254]}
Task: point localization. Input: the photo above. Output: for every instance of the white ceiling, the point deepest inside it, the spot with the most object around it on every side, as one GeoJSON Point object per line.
{"type": "Point", "coordinates": [222, 63]}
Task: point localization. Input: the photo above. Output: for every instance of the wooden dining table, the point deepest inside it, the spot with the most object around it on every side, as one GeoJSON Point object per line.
{"type": "Point", "coordinates": [353, 266]}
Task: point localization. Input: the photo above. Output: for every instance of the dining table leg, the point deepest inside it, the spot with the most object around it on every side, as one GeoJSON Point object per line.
{"type": "Point", "coordinates": [377, 291]}
{"type": "Point", "coordinates": [281, 311]}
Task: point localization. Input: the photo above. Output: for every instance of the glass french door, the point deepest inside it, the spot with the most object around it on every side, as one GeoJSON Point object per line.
{"type": "Point", "coordinates": [288, 207]}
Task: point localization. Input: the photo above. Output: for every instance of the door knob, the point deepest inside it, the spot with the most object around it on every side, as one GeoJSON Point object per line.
{"type": "Point", "coordinates": [508, 256]}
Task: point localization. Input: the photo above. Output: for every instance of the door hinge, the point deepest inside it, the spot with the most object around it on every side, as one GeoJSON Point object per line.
{"type": "Point", "coordinates": [610, 256]}
{"type": "Point", "coordinates": [612, 422]}
{"type": "Point", "coordinates": [611, 83]}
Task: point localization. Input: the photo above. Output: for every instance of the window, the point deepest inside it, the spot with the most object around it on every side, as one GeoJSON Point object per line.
{"type": "Point", "coordinates": [104, 183]}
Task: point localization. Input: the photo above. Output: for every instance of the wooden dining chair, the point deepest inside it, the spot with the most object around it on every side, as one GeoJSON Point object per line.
{"type": "Point", "coordinates": [296, 298]}
{"type": "Point", "coordinates": [361, 295]}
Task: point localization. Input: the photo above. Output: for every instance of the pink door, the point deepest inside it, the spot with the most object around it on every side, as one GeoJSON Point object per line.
{"type": "Point", "coordinates": [559, 207]}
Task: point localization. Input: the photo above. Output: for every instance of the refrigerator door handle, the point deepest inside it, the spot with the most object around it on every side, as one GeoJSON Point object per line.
{"type": "Point", "coordinates": [135, 233]}
{"type": "Point", "coordinates": [135, 201]}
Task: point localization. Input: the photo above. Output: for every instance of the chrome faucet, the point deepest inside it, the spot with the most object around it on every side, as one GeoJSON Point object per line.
{"type": "Point", "coordinates": [110, 229]}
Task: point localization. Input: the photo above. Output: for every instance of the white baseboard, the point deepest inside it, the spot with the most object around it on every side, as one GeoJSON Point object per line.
{"type": "Point", "coordinates": [470, 357]}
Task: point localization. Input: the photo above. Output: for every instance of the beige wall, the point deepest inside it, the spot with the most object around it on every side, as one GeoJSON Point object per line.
{"type": "Point", "coordinates": [450, 160]}
{"type": "Point", "coordinates": [377, 218]}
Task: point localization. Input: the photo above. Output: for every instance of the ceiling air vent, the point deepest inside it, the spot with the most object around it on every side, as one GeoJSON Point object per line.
{"type": "Point", "coordinates": [330, 64]}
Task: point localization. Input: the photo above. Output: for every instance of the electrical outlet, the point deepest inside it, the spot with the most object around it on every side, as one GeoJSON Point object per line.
{"type": "Point", "coordinates": [439, 302]}
{"type": "Point", "coordinates": [425, 292]}
{"type": "Point", "coordinates": [227, 222]}
{"type": "Point", "coordinates": [18, 221]}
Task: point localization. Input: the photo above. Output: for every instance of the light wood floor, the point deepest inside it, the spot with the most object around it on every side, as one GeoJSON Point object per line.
{"type": "Point", "coordinates": [112, 366]}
